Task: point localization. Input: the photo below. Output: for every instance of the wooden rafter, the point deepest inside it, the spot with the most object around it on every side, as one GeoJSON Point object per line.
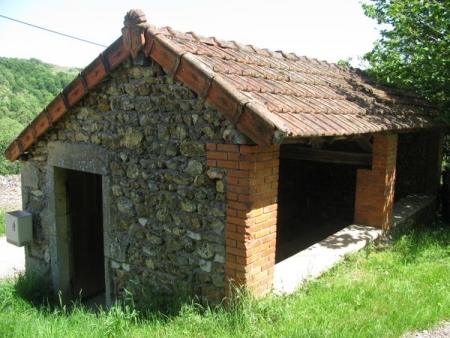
{"type": "Point", "coordinates": [328, 156]}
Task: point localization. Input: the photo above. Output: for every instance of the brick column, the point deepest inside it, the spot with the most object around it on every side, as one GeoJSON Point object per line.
{"type": "Point", "coordinates": [252, 213]}
{"type": "Point", "coordinates": [374, 200]}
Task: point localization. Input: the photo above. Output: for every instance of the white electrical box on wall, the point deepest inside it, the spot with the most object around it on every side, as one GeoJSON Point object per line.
{"type": "Point", "coordinates": [19, 230]}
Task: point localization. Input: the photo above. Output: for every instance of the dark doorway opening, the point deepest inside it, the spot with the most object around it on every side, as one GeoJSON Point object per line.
{"type": "Point", "coordinates": [85, 210]}
{"type": "Point", "coordinates": [411, 167]}
{"type": "Point", "coordinates": [315, 200]}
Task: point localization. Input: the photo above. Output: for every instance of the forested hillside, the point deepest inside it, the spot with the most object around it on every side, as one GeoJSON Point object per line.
{"type": "Point", "coordinates": [26, 87]}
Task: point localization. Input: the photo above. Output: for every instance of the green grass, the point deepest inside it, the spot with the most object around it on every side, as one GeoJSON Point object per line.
{"type": "Point", "coordinates": [2, 223]}
{"type": "Point", "coordinates": [378, 292]}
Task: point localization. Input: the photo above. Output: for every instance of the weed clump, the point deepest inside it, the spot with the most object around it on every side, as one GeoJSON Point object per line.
{"type": "Point", "coordinates": [33, 288]}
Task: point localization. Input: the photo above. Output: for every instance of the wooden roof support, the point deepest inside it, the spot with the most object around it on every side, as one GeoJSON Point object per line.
{"type": "Point", "coordinates": [364, 143]}
{"type": "Point", "coordinates": [327, 156]}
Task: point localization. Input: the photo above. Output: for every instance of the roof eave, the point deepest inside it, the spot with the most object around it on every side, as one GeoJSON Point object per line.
{"type": "Point", "coordinates": [244, 113]}
{"type": "Point", "coordinates": [97, 70]}
{"type": "Point", "coordinates": [375, 124]}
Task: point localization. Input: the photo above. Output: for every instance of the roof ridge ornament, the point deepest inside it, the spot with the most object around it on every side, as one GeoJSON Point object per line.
{"type": "Point", "coordinates": [135, 24]}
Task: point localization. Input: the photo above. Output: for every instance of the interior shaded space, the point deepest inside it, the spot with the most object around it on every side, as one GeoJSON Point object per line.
{"type": "Point", "coordinates": [306, 236]}
{"type": "Point", "coordinates": [95, 303]}
{"type": "Point", "coordinates": [411, 165]}
{"type": "Point", "coordinates": [84, 191]}
{"type": "Point", "coordinates": [316, 199]}
{"type": "Point", "coordinates": [322, 256]}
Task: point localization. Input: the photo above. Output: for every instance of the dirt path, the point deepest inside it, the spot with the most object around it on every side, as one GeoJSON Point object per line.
{"type": "Point", "coordinates": [12, 259]}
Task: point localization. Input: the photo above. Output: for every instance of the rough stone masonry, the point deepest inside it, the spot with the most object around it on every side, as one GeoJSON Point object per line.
{"type": "Point", "coordinates": [170, 208]}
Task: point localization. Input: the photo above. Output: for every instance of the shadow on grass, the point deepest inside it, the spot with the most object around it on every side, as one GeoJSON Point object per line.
{"type": "Point", "coordinates": [241, 311]}
{"type": "Point", "coordinates": [148, 302]}
{"type": "Point", "coordinates": [416, 241]}
{"type": "Point", "coordinates": [33, 288]}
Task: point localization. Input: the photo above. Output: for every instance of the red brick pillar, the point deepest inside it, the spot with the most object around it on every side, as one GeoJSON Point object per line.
{"type": "Point", "coordinates": [252, 213]}
{"type": "Point", "coordinates": [375, 188]}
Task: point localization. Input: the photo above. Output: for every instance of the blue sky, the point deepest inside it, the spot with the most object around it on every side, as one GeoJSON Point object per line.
{"type": "Point", "coordinates": [325, 29]}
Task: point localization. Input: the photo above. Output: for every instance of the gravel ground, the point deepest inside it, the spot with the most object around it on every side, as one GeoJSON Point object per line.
{"type": "Point", "coordinates": [440, 331]}
{"type": "Point", "coordinates": [12, 258]}
{"type": "Point", "coordinates": [10, 193]}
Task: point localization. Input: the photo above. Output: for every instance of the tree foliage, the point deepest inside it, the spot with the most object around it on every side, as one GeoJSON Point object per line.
{"type": "Point", "coordinates": [10, 129]}
{"type": "Point", "coordinates": [26, 87]}
{"type": "Point", "coordinates": [414, 49]}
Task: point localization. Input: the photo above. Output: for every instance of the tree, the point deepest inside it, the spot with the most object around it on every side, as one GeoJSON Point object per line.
{"type": "Point", "coordinates": [26, 87]}
{"type": "Point", "coordinates": [414, 49]}
{"type": "Point", "coordinates": [10, 129]}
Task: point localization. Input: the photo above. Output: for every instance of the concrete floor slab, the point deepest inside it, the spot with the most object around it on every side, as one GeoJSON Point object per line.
{"type": "Point", "coordinates": [320, 257]}
{"type": "Point", "coordinates": [310, 263]}
{"type": "Point", "coordinates": [409, 205]}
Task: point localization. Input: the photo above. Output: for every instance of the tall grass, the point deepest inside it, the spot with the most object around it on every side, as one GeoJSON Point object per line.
{"type": "Point", "coordinates": [379, 292]}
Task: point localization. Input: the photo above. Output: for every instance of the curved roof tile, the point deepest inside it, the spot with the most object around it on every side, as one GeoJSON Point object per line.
{"type": "Point", "coordinates": [269, 96]}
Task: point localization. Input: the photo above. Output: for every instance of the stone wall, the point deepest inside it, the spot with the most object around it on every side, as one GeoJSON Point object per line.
{"type": "Point", "coordinates": [169, 207]}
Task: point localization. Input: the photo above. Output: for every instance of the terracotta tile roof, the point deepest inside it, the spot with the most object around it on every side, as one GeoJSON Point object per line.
{"type": "Point", "coordinates": [269, 96]}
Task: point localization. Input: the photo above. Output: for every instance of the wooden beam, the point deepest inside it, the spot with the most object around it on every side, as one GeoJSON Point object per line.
{"type": "Point", "coordinates": [319, 155]}
{"type": "Point", "coordinates": [364, 144]}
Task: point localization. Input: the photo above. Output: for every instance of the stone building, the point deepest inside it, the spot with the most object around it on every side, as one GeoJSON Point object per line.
{"type": "Point", "coordinates": [179, 161]}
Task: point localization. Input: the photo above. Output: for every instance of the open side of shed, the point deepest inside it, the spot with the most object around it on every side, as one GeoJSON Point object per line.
{"type": "Point", "coordinates": [176, 160]}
